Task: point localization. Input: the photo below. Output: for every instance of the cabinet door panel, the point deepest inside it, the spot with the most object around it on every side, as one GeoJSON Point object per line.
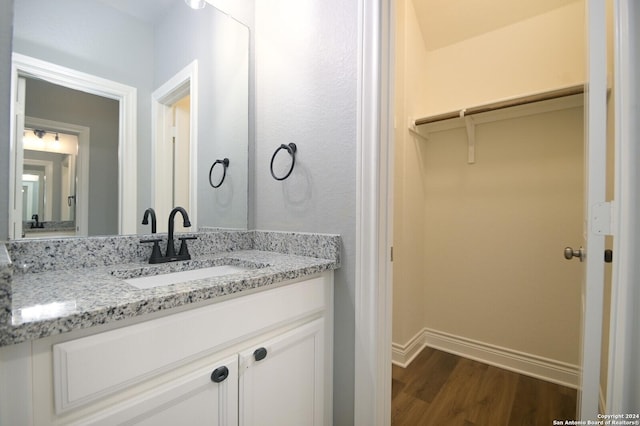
{"type": "Point", "coordinates": [286, 387]}
{"type": "Point", "coordinates": [190, 400]}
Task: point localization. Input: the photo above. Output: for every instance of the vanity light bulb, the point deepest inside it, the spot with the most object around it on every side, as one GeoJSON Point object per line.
{"type": "Point", "coordinates": [195, 4]}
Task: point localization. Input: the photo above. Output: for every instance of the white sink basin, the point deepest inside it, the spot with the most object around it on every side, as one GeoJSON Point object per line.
{"type": "Point", "coordinates": [184, 276]}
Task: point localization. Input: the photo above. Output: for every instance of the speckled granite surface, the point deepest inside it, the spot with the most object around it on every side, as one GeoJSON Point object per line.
{"type": "Point", "coordinates": [56, 295]}
{"type": "Point", "coordinates": [71, 253]}
{"type": "Point", "coordinates": [6, 272]}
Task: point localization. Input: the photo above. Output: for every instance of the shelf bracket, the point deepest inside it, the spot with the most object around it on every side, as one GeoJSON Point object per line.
{"type": "Point", "coordinates": [471, 137]}
{"type": "Point", "coordinates": [414, 129]}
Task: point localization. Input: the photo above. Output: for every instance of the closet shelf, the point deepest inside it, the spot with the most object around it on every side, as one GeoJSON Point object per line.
{"type": "Point", "coordinates": [508, 103]}
{"type": "Point", "coordinates": [464, 117]}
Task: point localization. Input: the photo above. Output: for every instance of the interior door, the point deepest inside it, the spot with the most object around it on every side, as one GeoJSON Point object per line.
{"type": "Point", "coordinates": [597, 211]}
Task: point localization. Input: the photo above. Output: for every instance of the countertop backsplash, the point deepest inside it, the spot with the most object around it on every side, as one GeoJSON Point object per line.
{"type": "Point", "coordinates": [38, 255]}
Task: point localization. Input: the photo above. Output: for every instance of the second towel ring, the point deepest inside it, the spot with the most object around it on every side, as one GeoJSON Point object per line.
{"type": "Point", "coordinates": [225, 164]}
{"type": "Point", "coordinates": [291, 149]}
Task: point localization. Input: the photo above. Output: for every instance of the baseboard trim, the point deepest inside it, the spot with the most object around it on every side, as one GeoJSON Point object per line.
{"type": "Point", "coordinates": [402, 355]}
{"type": "Point", "coordinates": [524, 363]}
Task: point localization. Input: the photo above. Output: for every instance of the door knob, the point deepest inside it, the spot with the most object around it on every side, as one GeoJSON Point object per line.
{"type": "Point", "coordinates": [570, 253]}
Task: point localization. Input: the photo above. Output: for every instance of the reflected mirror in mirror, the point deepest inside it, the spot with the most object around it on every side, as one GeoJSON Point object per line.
{"type": "Point", "coordinates": [85, 127]}
{"type": "Point", "coordinates": [150, 53]}
{"type": "Point", "coordinates": [48, 183]}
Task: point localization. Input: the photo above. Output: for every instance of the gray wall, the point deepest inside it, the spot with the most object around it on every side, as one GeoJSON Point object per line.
{"type": "Point", "coordinates": [221, 46]}
{"type": "Point", "coordinates": [306, 93]}
{"type": "Point", "coordinates": [51, 102]}
{"type": "Point", "coordinates": [6, 29]}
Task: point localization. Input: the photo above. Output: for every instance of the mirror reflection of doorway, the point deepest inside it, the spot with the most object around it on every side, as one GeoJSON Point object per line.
{"type": "Point", "coordinates": [31, 184]}
{"type": "Point", "coordinates": [49, 182]}
{"type": "Point", "coordinates": [181, 151]}
{"type": "Point", "coordinates": [174, 113]}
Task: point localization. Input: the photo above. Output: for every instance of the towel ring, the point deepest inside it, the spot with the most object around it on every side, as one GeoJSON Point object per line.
{"type": "Point", "coordinates": [225, 164]}
{"type": "Point", "coordinates": [291, 148]}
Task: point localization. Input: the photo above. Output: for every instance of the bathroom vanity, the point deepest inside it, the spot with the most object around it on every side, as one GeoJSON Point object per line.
{"type": "Point", "coordinates": [251, 345]}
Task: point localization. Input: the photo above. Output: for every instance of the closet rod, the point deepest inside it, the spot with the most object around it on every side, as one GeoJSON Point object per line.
{"type": "Point", "coordinates": [553, 94]}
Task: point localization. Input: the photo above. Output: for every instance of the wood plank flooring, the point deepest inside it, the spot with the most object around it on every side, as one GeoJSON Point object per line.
{"type": "Point", "coordinates": [442, 389]}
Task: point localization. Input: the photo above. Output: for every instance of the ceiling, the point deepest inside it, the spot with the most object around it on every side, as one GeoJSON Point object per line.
{"type": "Point", "coordinates": [442, 22]}
{"type": "Point", "coordinates": [445, 22]}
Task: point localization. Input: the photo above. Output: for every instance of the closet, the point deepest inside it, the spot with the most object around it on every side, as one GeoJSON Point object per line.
{"type": "Point", "coordinates": [489, 183]}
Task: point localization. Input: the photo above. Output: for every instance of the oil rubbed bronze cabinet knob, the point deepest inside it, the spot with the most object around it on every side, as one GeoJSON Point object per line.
{"type": "Point", "coordinates": [260, 354]}
{"type": "Point", "coordinates": [220, 374]}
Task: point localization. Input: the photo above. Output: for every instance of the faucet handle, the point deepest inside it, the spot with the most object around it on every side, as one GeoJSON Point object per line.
{"type": "Point", "coordinates": [156, 255]}
{"type": "Point", "coordinates": [184, 250]}
{"type": "Point", "coordinates": [151, 240]}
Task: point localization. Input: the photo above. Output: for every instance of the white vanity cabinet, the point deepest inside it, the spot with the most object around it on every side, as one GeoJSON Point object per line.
{"type": "Point", "coordinates": [263, 358]}
{"type": "Point", "coordinates": [194, 399]}
{"type": "Point", "coordinates": [281, 382]}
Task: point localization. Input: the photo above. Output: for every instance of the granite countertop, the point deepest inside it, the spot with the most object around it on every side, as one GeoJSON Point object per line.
{"type": "Point", "coordinates": [50, 301]}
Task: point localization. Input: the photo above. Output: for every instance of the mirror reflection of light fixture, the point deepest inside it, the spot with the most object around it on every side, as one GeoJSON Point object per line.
{"type": "Point", "coordinates": [195, 4]}
{"type": "Point", "coordinates": [40, 134]}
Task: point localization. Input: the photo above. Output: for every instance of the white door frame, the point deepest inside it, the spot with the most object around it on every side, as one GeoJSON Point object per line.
{"type": "Point", "coordinates": [374, 204]}
{"type": "Point", "coordinates": [623, 387]}
{"type": "Point", "coordinates": [595, 195]}
{"type": "Point", "coordinates": [185, 82]}
{"type": "Point", "coordinates": [16, 152]}
{"type": "Point", "coordinates": [373, 286]}
{"type": "Point", "coordinates": [27, 66]}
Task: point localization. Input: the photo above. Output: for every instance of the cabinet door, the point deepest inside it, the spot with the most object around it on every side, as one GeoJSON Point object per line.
{"type": "Point", "coordinates": [282, 381]}
{"type": "Point", "coordinates": [194, 399]}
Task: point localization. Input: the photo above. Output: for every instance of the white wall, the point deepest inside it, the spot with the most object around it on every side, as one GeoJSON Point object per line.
{"type": "Point", "coordinates": [540, 53]}
{"type": "Point", "coordinates": [306, 74]}
{"type": "Point", "coordinates": [493, 269]}
{"type": "Point", "coordinates": [455, 222]}
{"type": "Point", "coordinates": [409, 202]}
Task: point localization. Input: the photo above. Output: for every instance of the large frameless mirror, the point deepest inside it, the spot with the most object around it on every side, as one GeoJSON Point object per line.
{"type": "Point", "coordinates": [152, 92]}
